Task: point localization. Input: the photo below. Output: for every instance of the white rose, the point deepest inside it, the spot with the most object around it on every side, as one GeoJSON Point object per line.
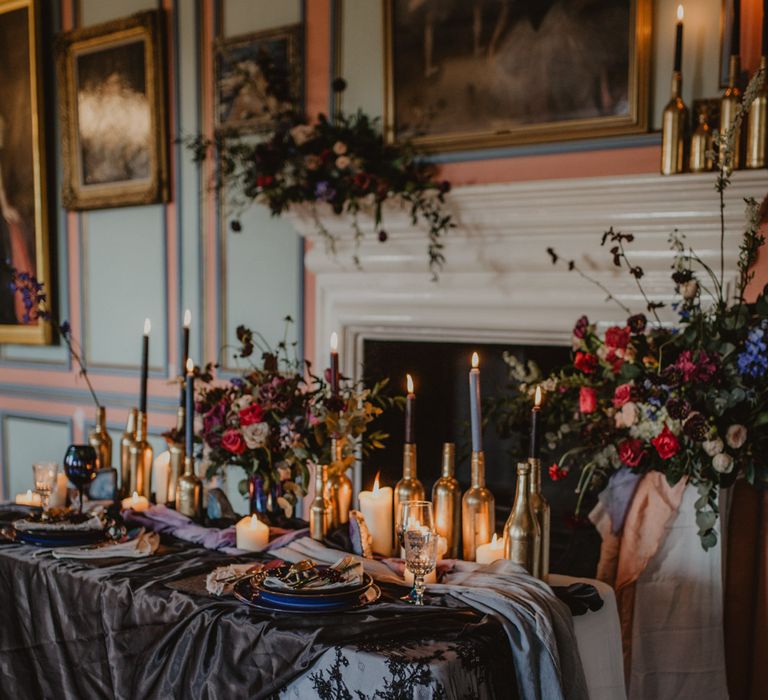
{"type": "Point", "coordinates": [629, 413]}
{"type": "Point", "coordinates": [722, 463]}
{"type": "Point", "coordinates": [736, 436]}
{"type": "Point", "coordinates": [339, 148]}
{"type": "Point", "coordinates": [713, 447]}
{"type": "Point", "coordinates": [301, 133]}
{"type": "Point", "coordinates": [343, 162]}
{"type": "Point", "coordinates": [689, 289]}
{"type": "Point", "coordinates": [241, 403]}
{"type": "Point", "coordinates": [256, 435]}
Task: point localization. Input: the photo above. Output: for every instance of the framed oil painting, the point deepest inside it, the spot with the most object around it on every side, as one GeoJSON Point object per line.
{"type": "Point", "coordinates": [112, 110]}
{"type": "Point", "coordinates": [24, 244]}
{"type": "Point", "coordinates": [490, 73]}
{"type": "Point", "coordinates": [244, 64]}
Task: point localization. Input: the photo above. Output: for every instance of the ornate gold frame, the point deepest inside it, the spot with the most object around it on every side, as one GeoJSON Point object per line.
{"type": "Point", "coordinates": [635, 122]}
{"type": "Point", "coordinates": [38, 333]}
{"type": "Point", "coordinates": [74, 194]}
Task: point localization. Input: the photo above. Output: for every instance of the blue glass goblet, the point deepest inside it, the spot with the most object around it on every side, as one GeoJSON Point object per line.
{"type": "Point", "coordinates": [80, 467]}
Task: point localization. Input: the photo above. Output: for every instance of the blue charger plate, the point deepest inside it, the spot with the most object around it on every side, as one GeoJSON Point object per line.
{"type": "Point", "coordinates": [52, 538]}
{"type": "Point", "coordinates": [245, 592]}
{"type": "Point", "coordinates": [310, 597]}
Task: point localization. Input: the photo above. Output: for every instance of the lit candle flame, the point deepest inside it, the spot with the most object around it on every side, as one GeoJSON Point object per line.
{"type": "Point", "coordinates": [147, 326]}
{"type": "Point", "coordinates": [190, 366]}
{"type": "Point", "coordinates": [187, 318]}
{"type": "Point", "coordinates": [334, 342]}
{"type": "Point", "coordinates": [135, 497]}
{"type": "Point", "coordinates": [475, 360]}
{"type": "Point", "coordinates": [680, 13]}
{"type": "Point", "coordinates": [537, 398]}
{"type": "Point", "coordinates": [409, 382]}
{"type": "Point", "coordinates": [376, 483]}
{"type": "Point", "coordinates": [29, 493]}
{"type": "Point", "coordinates": [494, 539]}
{"type": "Point", "coordinates": [254, 522]}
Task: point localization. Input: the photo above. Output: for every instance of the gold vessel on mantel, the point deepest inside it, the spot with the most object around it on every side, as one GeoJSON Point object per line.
{"type": "Point", "coordinates": [189, 492]}
{"type": "Point", "coordinates": [409, 488]}
{"type": "Point", "coordinates": [729, 106]}
{"type": "Point", "coordinates": [140, 460]}
{"type": "Point", "coordinates": [100, 440]}
{"type": "Point", "coordinates": [674, 130]}
{"type": "Point", "coordinates": [129, 436]}
{"type": "Point", "coordinates": [542, 514]}
{"type": "Point", "coordinates": [178, 453]}
{"type": "Point", "coordinates": [700, 159]}
{"type": "Point", "coordinates": [757, 124]}
{"type": "Point", "coordinates": [320, 509]}
{"type": "Point", "coordinates": [522, 537]}
{"type": "Point", "coordinates": [338, 486]}
{"type": "Point", "coordinates": [478, 510]}
{"type": "Point", "coordinates": [446, 502]}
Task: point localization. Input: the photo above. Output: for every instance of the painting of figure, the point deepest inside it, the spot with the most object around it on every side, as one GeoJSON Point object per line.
{"type": "Point", "coordinates": [494, 72]}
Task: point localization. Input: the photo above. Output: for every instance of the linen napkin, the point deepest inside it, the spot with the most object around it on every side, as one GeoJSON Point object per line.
{"type": "Point", "coordinates": [144, 545]}
{"type": "Point", "coordinates": [223, 578]}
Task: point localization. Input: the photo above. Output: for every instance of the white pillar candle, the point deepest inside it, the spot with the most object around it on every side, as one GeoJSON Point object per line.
{"type": "Point", "coordinates": [58, 497]}
{"type": "Point", "coordinates": [30, 498]}
{"type": "Point", "coordinates": [376, 507]}
{"type": "Point", "coordinates": [491, 551]}
{"type": "Point", "coordinates": [161, 474]}
{"type": "Point", "coordinates": [251, 534]}
{"type": "Point", "coordinates": [135, 502]}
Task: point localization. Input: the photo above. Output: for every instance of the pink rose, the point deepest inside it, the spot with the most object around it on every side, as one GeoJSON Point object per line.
{"type": "Point", "coordinates": [587, 399]}
{"type": "Point", "coordinates": [232, 441]}
{"type": "Point", "coordinates": [622, 394]}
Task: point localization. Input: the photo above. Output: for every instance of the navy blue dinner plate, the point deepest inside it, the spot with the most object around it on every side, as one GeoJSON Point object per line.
{"type": "Point", "coordinates": [54, 538]}
{"type": "Point", "coordinates": [246, 592]}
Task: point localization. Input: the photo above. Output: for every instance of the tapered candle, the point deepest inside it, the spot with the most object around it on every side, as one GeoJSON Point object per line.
{"type": "Point", "coordinates": [535, 433]}
{"type": "Point", "coordinates": [185, 349]}
{"type": "Point", "coordinates": [189, 414]}
{"type": "Point", "coordinates": [679, 40]}
{"type": "Point", "coordinates": [144, 366]}
{"type": "Point", "coordinates": [334, 364]}
{"type": "Point", "coordinates": [474, 405]}
{"type": "Point", "coordinates": [736, 31]}
{"type": "Point", "coordinates": [410, 412]}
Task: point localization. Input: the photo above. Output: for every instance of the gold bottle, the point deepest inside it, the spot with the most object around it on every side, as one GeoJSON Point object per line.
{"type": "Point", "coordinates": [757, 124]}
{"type": "Point", "coordinates": [409, 488]}
{"type": "Point", "coordinates": [446, 501]}
{"type": "Point", "coordinates": [320, 509]}
{"type": "Point", "coordinates": [129, 436]}
{"type": "Point", "coordinates": [140, 460]}
{"type": "Point", "coordinates": [478, 510]}
{"type": "Point", "coordinates": [177, 451]}
{"type": "Point", "coordinates": [522, 537]}
{"type": "Point", "coordinates": [100, 440]}
{"type": "Point", "coordinates": [338, 487]}
{"type": "Point", "coordinates": [674, 130]}
{"type": "Point", "coordinates": [542, 513]}
{"type": "Point", "coordinates": [729, 105]}
{"type": "Point", "coordinates": [700, 159]}
{"type": "Point", "coordinates": [189, 492]}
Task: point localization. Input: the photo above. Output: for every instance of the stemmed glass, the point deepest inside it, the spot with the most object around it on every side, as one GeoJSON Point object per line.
{"type": "Point", "coordinates": [419, 538]}
{"type": "Point", "coordinates": [45, 481]}
{"type": "Point", "coordinates": [80, 467]}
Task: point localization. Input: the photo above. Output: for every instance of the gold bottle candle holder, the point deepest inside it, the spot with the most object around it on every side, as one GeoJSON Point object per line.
{"type": "Point", "coordinates": [522, 537]}
{"type": "Point", "coordinates": [409, 488]}
{"type": "Point", "coordinates": [446, 502]}
{"type": "Point", "coordinates": [338, 486]}
{"type": "Point", "coordinates": [127, 439]}
{"type": "Point", "coordinates": [729, 106]}
{"type": "Point", "coordinates": [140, 460]}
{"type": "Point", "coordinates": [320, 509]}
{"type": "Point", "coordinates": [757, 124]}
{"type": "Point", "coordinates": [178, 453]}
{"type": "Point", "coordinates": [100, 440]}
{"type": "Point", "coordinates": [189, 492]}
{"type": "Point", "coordinates": [541, 511]}
{"type": "Point", "coordinates": [478, 510]}
{"type": "Point", "coordinates": [674, 130]}
{"type": "Point", "coordinates": [700, 159]}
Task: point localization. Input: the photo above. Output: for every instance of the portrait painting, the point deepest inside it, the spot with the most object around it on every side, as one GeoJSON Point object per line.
{"type": "Point", "coordinates": [24, 249]}
{"type": "Point", "coordinates": [489, 73]}
{"type": "Point", "coordinates": [258, 76]}
{"type": "Point", "coordinates": [112, 114]}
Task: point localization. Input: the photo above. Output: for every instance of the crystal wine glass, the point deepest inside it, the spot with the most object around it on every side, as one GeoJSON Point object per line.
{"type": "Point", "coordinates": [80, 467]}
{"type": "Point", "coordinates": [420, 558]}
{"type": "Point", "coordinates": [418, 517]}
{"type": "Point", "coordinates": [45, 481]}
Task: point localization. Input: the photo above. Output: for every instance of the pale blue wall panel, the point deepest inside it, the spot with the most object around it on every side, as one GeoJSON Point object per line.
{"type": "Point", "coordinates": [97, 11]}
{"type": "Point", "coordinates": [245, 16]}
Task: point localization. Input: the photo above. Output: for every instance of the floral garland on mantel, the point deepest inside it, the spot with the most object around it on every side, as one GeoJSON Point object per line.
{"type": "Point", "coordinates": [344, 162]}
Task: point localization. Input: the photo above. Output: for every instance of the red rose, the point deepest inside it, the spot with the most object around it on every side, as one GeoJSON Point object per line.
{"type": "Point", "coordinates": [666, 443]}
{"type": "Point", "coordinates": [622, 395]}
{"type": "Point", "coordinates": [233, 441]}
{"type": "Point", "coordinates": [251, 414]}
{"type": "Point", "coordinates": [614, 360]}
{"type": "Point", "coordinates": [264, 180]}
{"type": "Point", "coordinates": [556, 473]}
{"type": "Point", "coordinates": [587, 399]}
{"type": "Point", "coordinates": [586, 362]}
{"type": "Point", "coordinates": [631, 452]}
{"type": "Point", "coordinates": [616, 337]}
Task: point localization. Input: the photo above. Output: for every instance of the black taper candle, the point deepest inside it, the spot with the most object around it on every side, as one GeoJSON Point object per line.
{"type": "Point", "coordinates": [410, 413]}
{"type": "Point", "coordinates": [736, 33]}
{"type": "Point", "coordinates": [679, 46]}
{"type": "Point", "coordinates": [144, 367]}
{"type": "Point", "coordinates": [184, 351]}
{"type": "Point", "coordinates": [534, 448]}
{"type": "Point", "coordinates": [189, 415]}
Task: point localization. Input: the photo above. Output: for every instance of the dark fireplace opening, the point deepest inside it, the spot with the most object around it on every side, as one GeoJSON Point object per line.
{"type": "Point", "coordinates": [440, 371]}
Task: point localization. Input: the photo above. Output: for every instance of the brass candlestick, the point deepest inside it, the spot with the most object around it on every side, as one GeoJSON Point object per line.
{"type": "Point", "coordinates": [100, 440]}
{"type": "Point", "coordinates": [446, 501]}
{"type": "Point", "coordinates": [129, 436]}
{"type": "Point", "coordinates": [140, 460]}
{"type": "Point", "coordinates": [189, 492]}
{"type": "Point", "coordinates": [700, 159]}
{"type": "Point", "coordinates": [320, 509]}
{"type": "Point", "coordinates": [409, 488]}
{"type": "Point", "coordinates": [542, 514]}
{"type": "Point", "coordinates": [178, 454]}
{"type": "Point", "coordinates": [757, 124]}
{"type": "Point", "coordinates": [338, 487]}
{"type": "Point", "coordinates": [729, 105]}
{"type": "Point", "coordinates": [478, 510]}
{"type": "Point", "coordinates": [674, 128]}
{"type": "Point", "coordinates": [522, 537]}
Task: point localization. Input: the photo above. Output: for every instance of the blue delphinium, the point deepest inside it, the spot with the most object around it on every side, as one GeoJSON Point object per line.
{"type": "Point", "coordinates": [753, 360]}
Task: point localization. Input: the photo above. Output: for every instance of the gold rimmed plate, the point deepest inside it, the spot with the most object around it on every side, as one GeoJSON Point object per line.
{"type": "Point", "coordinates": [245, 592]}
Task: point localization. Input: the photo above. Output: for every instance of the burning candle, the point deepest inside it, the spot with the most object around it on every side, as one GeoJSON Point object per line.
{"type": "Point", "coordinates": [135, 502]}
{"type": "Point", "coordinates": [251, 534]}
{"type": "Point", "coordinates": [189, 414]}
{"type": "Point", "coordinates": [161, 474]}
{"type": "Point", "coordinates": [30, 498]}
{"type": "Point", "coordinates": [736, 30]}
{"type": "Point", "coordinates": [144, 366]}
{"type": "Point", "coordinates": [334, 364]}
{"type": "Point", "coordinates": [491, 551]}
{"type": "Point", "coordinates": [535, 432]}
{"type": "Point", "coordinates": [474, 405]}
{"type": "Point", "coordinates": [185, 349]}
{"type": "Point", "coordinates": [410, 411]}
{"type": "Point", "coordinates": [679, 40]}
{"type": "Point", "coordinates": [376, 507]}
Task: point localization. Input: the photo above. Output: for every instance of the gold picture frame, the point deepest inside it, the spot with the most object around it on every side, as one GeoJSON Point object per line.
{"type": "Point", "coordinates": [24, 238]}
{"type": "Point", "coordinates": [479, 63]}
{"type": "Point", "coordinates": [113, 114]}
